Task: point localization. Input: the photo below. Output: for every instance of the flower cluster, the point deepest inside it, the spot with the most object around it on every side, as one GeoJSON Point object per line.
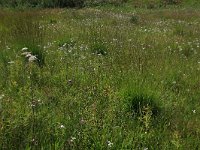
{"type": "Point", "coordinates": [28, 55]}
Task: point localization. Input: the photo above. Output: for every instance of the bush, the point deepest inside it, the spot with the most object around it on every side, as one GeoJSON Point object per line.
{"type": "Point", "coordinates": [102, 2]}
{"type": "Point", "coordinates": [172, 2]}
{"type": "Point", "coordinates": [64, 3]}
{"type": "Point", "coordinates": [44, 3]}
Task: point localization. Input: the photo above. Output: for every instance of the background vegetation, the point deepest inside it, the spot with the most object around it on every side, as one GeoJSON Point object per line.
{"type": "Point", "coordinates": [109, 77]}
{"type": "Point", "coordinates": [81, 3]}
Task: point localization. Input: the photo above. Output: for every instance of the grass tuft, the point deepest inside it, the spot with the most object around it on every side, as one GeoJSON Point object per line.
{"type": "Point", "coordinates": [99, 48]}
{"type": "Point", "coordinates": [137, 102]}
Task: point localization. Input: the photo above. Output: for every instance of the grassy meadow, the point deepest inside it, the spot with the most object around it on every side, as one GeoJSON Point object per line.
{"type": "Point", "coordinates": [97, 78]}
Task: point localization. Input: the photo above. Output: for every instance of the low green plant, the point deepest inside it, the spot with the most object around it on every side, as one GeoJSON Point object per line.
{"type": "Point", "coordinates": [134, 19]}
{"type": "Point", "coordinates": [99, 48]}
{"type": "Point", "coordinates": [66, 42]}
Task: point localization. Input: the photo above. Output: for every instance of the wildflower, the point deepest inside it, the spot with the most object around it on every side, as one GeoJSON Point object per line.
{"type": "Point", "coordinates": [32, 105]}
{"type": "Point", "coordinates": [62, 126]}
{"type": "Point", "coordinates": [1, 96]}
{"type": "Point", "coordinates": [82, 121]}
{"type": "Point", "coordinates": [194, 111]}
{"type": "Point", "coordinates": [25, 53]}
{"type": "Point", "coordinates": [110, 144]}
{"type": "Point", "coordinates": [7, 47]}
{"type": "Point", "coordinates": [32, 58]}
{"type": "Point", "coordinates": [72, 139]}
{"type": "Point", "coordinates": [11, 62]}
{"type": "Point", "coordinates": [24, 49]}
{"type": "Point", "coordinates": [28, 55]}
{"type": "Point", "coordinates": [34, 141]}
{"type": "Point", "coordinates": [174, 82]}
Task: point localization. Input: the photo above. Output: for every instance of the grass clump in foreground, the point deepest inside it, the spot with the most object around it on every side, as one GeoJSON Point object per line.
{"type": "Point", "coordinates": [99, 48]}
{"type": "Point", "coordinates": [142, 95]}
{"type": "Point", "coordinates": [137, 102]}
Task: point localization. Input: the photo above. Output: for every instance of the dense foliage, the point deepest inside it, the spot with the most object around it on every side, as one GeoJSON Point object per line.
{"type": "Point", "coordinates": [57, 3]}
{"type": "Point", "coordinates": [82, 3]}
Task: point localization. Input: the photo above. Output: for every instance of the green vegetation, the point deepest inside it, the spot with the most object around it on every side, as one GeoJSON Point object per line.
{"type": "Point", "coordinates": [150, 4]}
{"type": "Point", "coordinates": [58, 3]}
{"type": "Point", "coordinates": [106, 77]}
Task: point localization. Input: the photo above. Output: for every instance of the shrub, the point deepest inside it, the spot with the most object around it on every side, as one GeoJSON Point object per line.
{"type": "Point", "coordinates": [101, 2]}
{"type": "Point", "coordinates": [63, 3]}
{"type": "Point", "coordinates": [43, 3]}
{"type": "Point", "coordinates": [172, 2]}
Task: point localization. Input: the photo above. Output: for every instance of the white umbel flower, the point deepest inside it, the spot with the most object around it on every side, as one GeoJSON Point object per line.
{"type": "Point", "coordinates": [110, 144]}
{"type": "Point", "coordinates": [24, 49]}
{"type": "Point", "coordinates": [11, 62]}
{"type": "Point", "coordinates": [32, 58]}
{"type": "Point", "coordinates": [28, 55]}
{"type": "Point", "coordinates": [25, 53]}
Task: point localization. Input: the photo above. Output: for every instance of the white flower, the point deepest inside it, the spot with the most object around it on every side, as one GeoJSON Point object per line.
{"type": "Point", "coordinates": [110, 144]}
{"type": "Point", "coordinates": [28, 55]}
{"type": "Point", "coordinates": [32, 105]}
{"type": "Point", "coordinates": [25, 53]}
{"type": "Point", "coordinates": [11, 62]}
{"type": "Point", "coordinates": [174, 82]}
{"type": "Point", "coordinates": [72, 139]}
{"type": "Point", "coordinates": [1, 96]}
{"type": "Point", "coordinates": [7, 47]}
{"type": "Point", "coordinates": [24, 49]}
{"type": "Point", "coordinates": [32, 58]}
{"type": "Point", "coordinates": [62, 126]}
{"type": "Point", "coordinates": [194, 111]}
{"type": "Point", "coordinates": [33, 140]}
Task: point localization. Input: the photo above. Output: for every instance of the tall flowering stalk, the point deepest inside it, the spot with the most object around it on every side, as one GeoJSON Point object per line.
{"type": "Point", "coordinates": [30, 59]}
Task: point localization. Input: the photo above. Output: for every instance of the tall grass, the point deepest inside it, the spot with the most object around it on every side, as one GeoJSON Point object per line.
{"type": "Point", "coordinates": [150, 4]}
{"type": "Point", "coordinates": [101, 80]}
